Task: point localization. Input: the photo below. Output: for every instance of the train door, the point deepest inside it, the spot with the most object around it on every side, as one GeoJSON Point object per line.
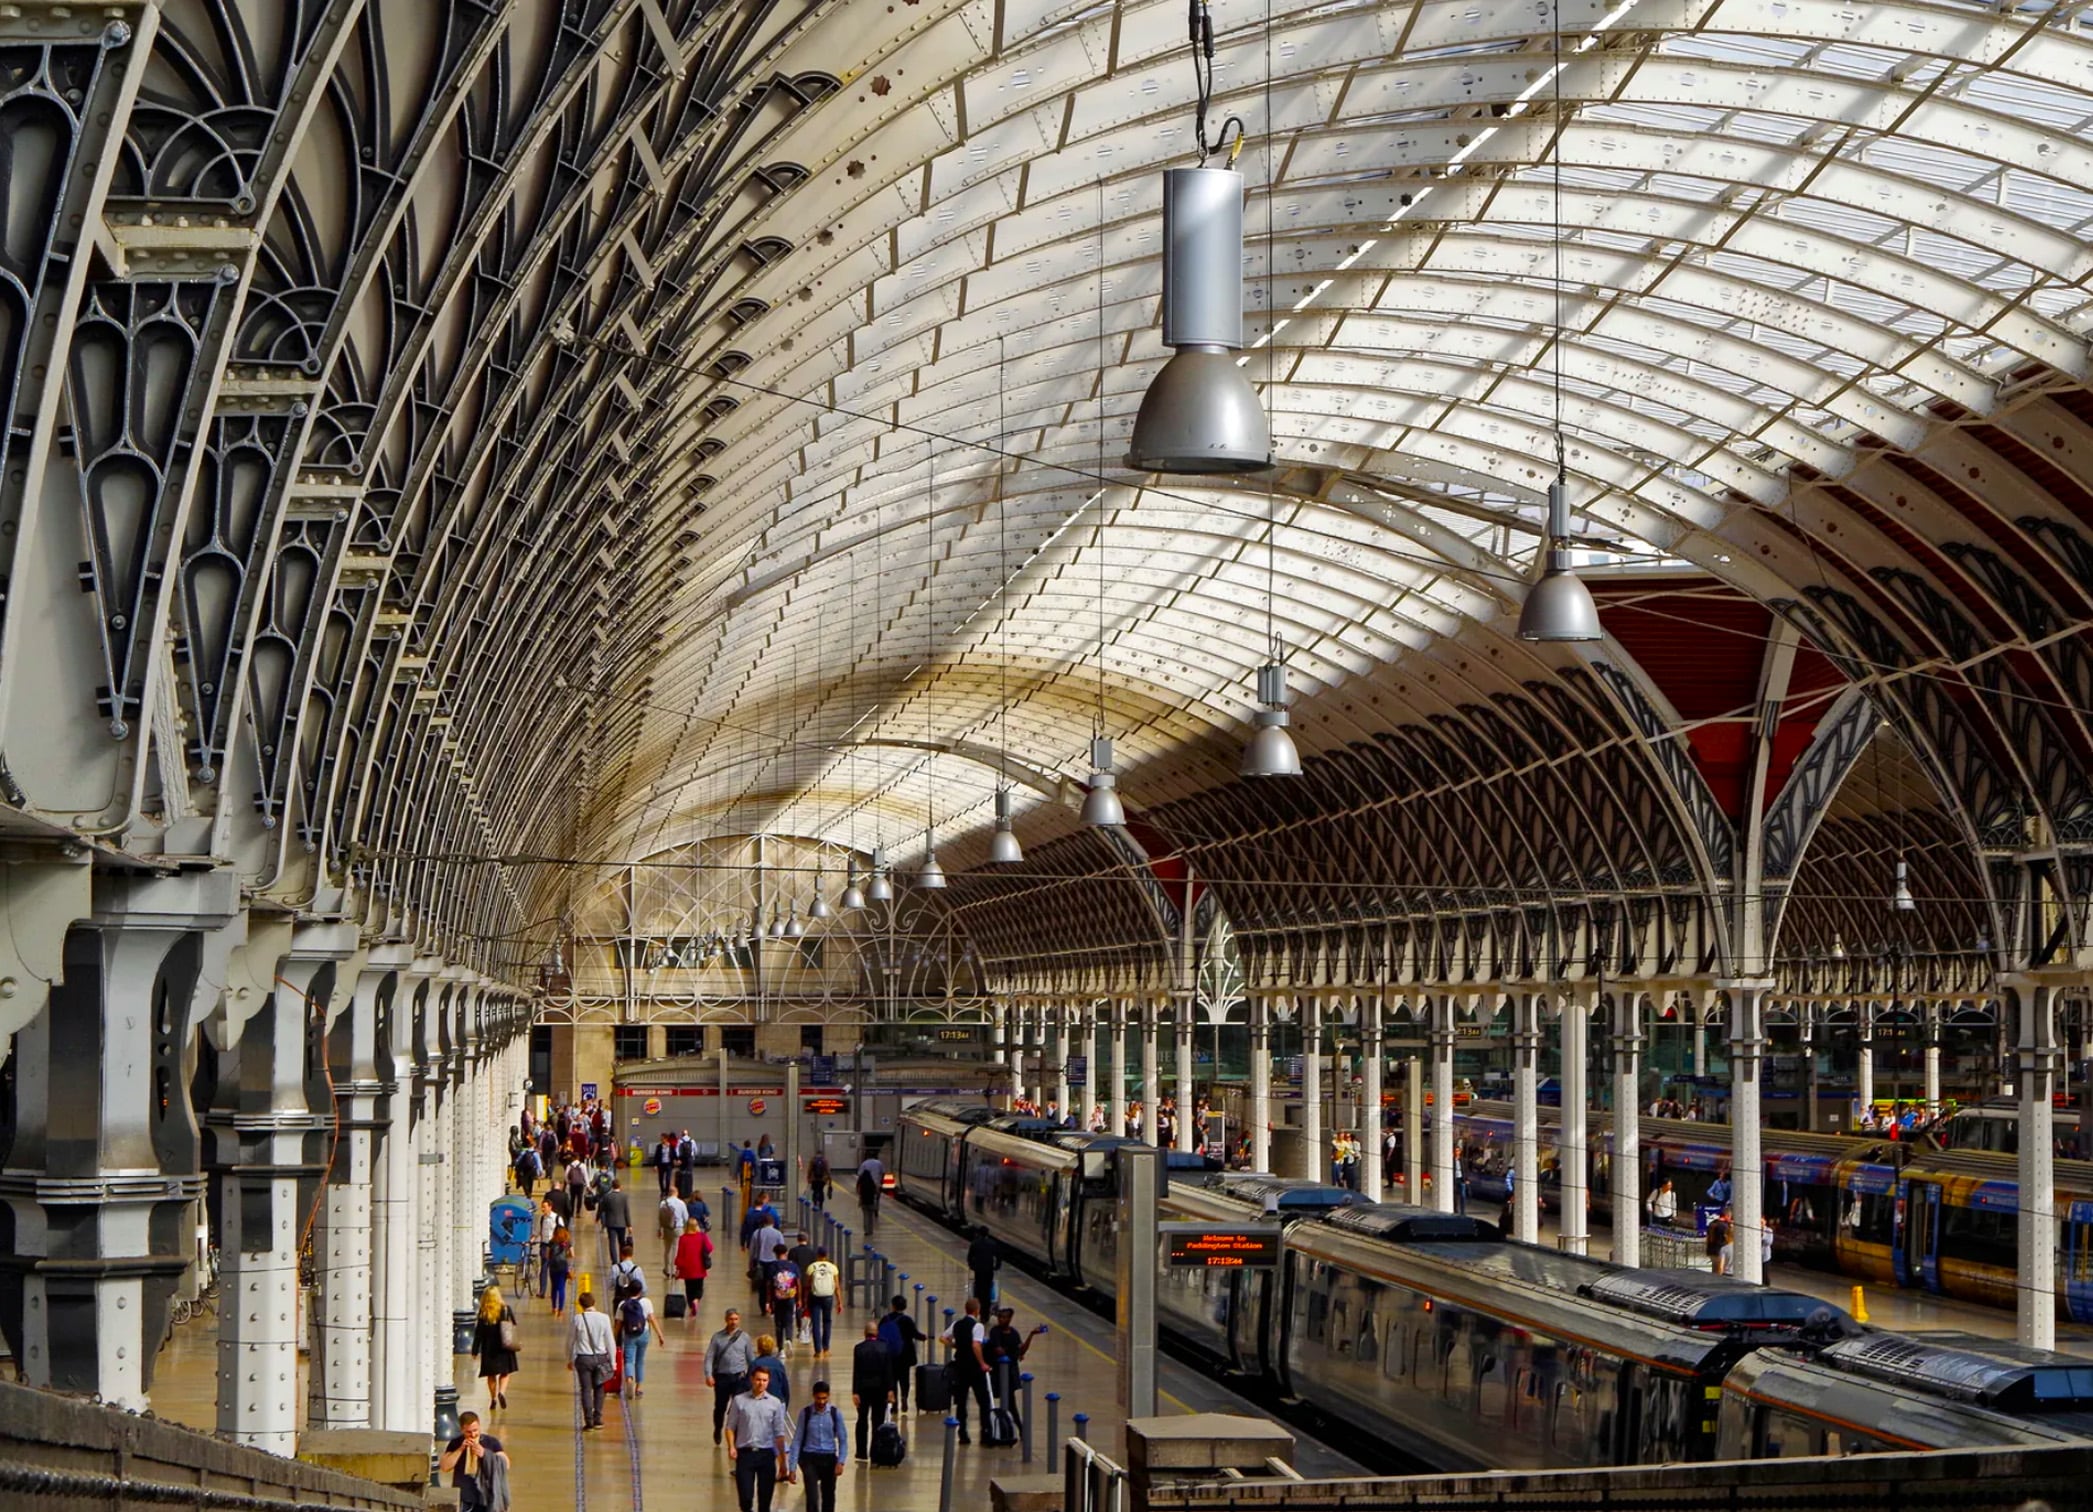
{"type": "Point", "coordinates": [2075, 1271]}
{"type": "Point", "coordinates": [1918, 1237]}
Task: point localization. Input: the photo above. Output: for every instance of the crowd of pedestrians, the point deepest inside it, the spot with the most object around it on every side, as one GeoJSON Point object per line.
{"type": "Point", "coordinates": [770, 1433]}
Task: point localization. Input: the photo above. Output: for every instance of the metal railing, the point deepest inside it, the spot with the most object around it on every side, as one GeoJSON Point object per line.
{"type": "Point", "coordinates": [1091, 1481]}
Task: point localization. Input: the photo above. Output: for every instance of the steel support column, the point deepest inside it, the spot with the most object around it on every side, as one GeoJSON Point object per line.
{"type": "Point", "coordinates": [1626, 1172]}
{"type": "Point", "coordinates": [1315, 1166]}
{"type": "Point", "coordinates": [2033, 1005]}
{"type": "Point", "coordinates": [339, 1382]}
{"type": "Point", "coordinates": [1093, 1074]}
{"type": "Point", "coordinates": [1747, 1169]}
{"type": "Point", "coordinates": [1526, 1121]}
{"type": "Point", "coordinates": [101, 1189]}
{"type": "Point", "coordinates": [1866, 1078]}
{"type": "Point", "coordinates": [1573, 1147]}
{"type": "Point", "coordinates": [1444, 1183]}
{"type": "Point", "coordinates": [1116, 1119]}
{"type": "Point", "coordinates": [1063, 1090]}
{"type": "Point", "coordinates": [1151, 1069]}
{"type": "Point", "coordinates": [1260, 1082]}
{"type": "Point", "coordinates": [395, 1407]}
{"type": "Point", "coordinates": [1183, 1026]}
{"type": "Point", "coordinates": [1372, 1177]}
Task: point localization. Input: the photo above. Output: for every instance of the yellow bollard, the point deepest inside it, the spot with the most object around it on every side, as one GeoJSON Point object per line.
{"type": "Point", "coordinates": [1860, 1304]}
{"type": "Point", "coordinates": [588, 1284]}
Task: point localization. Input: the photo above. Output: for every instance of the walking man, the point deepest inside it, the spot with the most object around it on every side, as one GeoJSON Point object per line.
{"type": "Point", "coordinates": [822, 1280]}
{"type": "Point", "coordinates": [614, 1212]}
{"type": "Point", "coordinates": [589, 1350]}
{"type": "Point", "coordinates": [818, 1447]}
{"type": "Point", "coordinates": [984, 1259]}
{"type": "Point", "coordinates": [727, 1360]}
{"type": "Point", "coordinates": [759, 1436]}
{"type": "Point", "coordinates": [871, 1386]}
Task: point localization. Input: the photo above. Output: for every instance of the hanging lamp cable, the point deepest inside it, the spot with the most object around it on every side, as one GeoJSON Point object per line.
{"type": "Point", "coordinates": [1003, 564]}
{"type": "Point", "coordinates": [1098, 535]}
{"type": "Point", "coordinates": [1202, 31]}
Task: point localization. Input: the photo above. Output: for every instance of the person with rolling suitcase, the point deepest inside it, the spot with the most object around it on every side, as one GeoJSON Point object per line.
{"type": "Point", "coordinates": [871, 1387]}
{"type": "Point", "coordinates": [969, 1368]}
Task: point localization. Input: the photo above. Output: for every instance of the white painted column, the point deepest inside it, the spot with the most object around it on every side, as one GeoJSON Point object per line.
{"type": "Point", "coordinates": [2034, 1008]}
{"type": "Point", "coordinates": [1747, 1168]}
{"type": "Point", "coordinates": [1626, 1179]}
{"type": "Point", "coordinates": [1526, 1121]}
{"type": "Point", "coordinates": [1866, 1054]}
{"type": "Point", "coordinates": [1315, 1166]}
{"type": "Point", "coordinates": [394, 1247]}
{"type": "Point", "coordinates": [1116, 1118]}
{"type": "Point", "coordinates": [1260, 1082]}
{"type": "Point", "coordinates": [1933, 1059]}
{"type": "Point", "coordinates": [339, 1381]}
{"type": "Point", "coordinates": [1183, 1027]}
{"type": "Point", "coordinates": [1151, 1067]}
{"type": "Point", "coordinates": [1064, 1091]}
{"type": "Point", "coordinates": [1035, 1058]}
{"type": "Point", "coordinates": [998, 1032]}
{"type": "Point", "coordinates": [1573, 1146]}
{"type": "Point", "coordinates": [1093, 1073]}
{"type": "Point", "coordinates": [1413, 1130]}
{"type": "Point", "coordinates": [1701, 1003]}
{"type": "Point", "coordinates": [1371, 1174]}
{"type": "Point", "coordinates": [265, 1133]}
{"type": "Point", "coordinates": [1440, 1112]}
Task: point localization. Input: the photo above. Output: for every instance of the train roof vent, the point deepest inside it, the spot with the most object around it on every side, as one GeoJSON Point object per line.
{"type": "Point", "coordinates": [1406, 1224]}
{"type": "Point", "coordinates": [1696, 1299]}
{"type": "Point", "coordinates": [1967, 1368]}
{"type": "Point", "coordinates": [1022, 1124]}
{"type": "Point", "coordinates": [1288, 1194]}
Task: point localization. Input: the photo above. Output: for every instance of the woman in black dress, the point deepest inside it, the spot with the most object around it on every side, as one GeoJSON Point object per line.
{"type": "Point", "coordinates": [496, 1354]}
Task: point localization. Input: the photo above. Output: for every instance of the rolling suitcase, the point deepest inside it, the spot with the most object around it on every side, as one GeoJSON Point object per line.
{"type": "Point", "coordinates": [889, 1448]}
{"type": "Point", "coordinates": [933, 1390]}
{"type": "Point", "coordinates": [674, 1305]}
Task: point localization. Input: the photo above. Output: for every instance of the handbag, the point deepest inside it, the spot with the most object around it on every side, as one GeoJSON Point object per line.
{"type": "Point", "coordinates": [511, 1335]}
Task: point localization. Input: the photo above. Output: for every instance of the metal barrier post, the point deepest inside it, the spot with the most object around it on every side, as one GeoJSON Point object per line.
{"type": "Point", "coordinates": [1082, 1428]}
{"type": "Point", "coordinates": [929, 1316]}
{"type": "Point", "coordinates": [1024, 1422]}
{"type": "Point", "coordinates": [919, 1304]}
{"type": "Point", "coordinates": [1053, 1421]}
{"type": "Point", "coordinates": [886, 1276]}
{"type": "Point", "coordinates": [944, 1490]}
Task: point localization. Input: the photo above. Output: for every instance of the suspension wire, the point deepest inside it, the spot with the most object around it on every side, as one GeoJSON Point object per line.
{"type": "Point", "coordinates": [1003, 563]}
{"type": "Point", "coordinates": [930, 656]}
{"type": "Point", "coordinates": [1098, 534]}
{"type": "Point", "coordinates": [1272, 645]}
{"type": "Point", "coordinates": [1202, 30]}
{"type": "Point", "coordinates": [1555, 238]}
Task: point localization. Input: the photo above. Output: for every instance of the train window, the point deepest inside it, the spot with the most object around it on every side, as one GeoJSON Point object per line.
{"type": "Point", "coordinates": [1369, 1339]}
{"type": "Point", "coordinates": [1871, 1217]}
{"type": "Point", "coordinates": [1491, 1390]}
{"type": "Point", "coordinates": [1340, 1335]}
{"type": "Point", "coordinates": [1395, 1359]}
{"type": "Point", "coordinates": [1318, 1307]}
{"type": "Point", "coordinates": [1978, 1236]}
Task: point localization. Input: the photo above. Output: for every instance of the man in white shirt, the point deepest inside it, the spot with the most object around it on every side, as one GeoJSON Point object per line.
{"type": "Point", "coordinates": [589, 1349]}
{"type": "Point", "coordinates": [674, 1211]}
{"type": "Point", "coordinates": [822, 1280]}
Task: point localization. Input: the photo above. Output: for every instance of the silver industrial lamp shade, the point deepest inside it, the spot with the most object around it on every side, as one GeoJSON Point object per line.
{"type": "Point", "coordinates": [819, 909]}
{"type": "Point", "coordinates": [777, 927]}
{"type": "Point", "coordinates": [879, 889]}
{"type": "Point", "coordinates": [1270, 751]}
{"type": "Point", "coordinates": [1101, 805]}
{"type": "Point", "coordinates": [1559, 607]}
{"type": "Point", "coordinates": [1200, 414]}
{"type": "Point", "coordinates": [1900, 897]}
{"type": "Point", "coordinates": [853, 895]}
{"type": "Point", "coordinates": [793, 928]}
{"type": "Point", "coordinates": [1003, 848]}
{"type": "Point", "coordinates": [932, 876]}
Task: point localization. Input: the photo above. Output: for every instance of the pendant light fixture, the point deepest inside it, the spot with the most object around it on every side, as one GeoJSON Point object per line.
{"type": "Point", "coordinates": [1101, 805]}
{"type": "Point", "coordinates": [879, 889]}
{"type": "Point", "coordinates": [794, 930]}
{"type": "Point", "coordinates": [853, 896]}
{"type": "Point", "coordinates": [1200, 414]}
{"type": "Point", "coordinates": [818, 908]}
{"type": "Point", "coordinates": [777, 926]}
{"type": "Point", "coordinates": [1559, 607]}
{"type": "Point", "coordinates": [1270, 751]}
{"type": "Point", "coordinates": [1901, 900]}
{"type": "Point", "coordinates": [1003, 849]}
{"type": "Point", "coordinates": [930, 876]}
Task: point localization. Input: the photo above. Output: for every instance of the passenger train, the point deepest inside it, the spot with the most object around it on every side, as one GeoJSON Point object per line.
{"type": "Point", "coordinates": [1875, 1209]}
{"type": "Point", "coordinates": [1428, 1331]}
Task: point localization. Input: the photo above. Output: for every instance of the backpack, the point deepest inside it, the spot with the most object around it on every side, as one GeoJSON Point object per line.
{"type": "Point", "coordinates": [667, 1213]}
{"type": "Point", "coordinates": [817, 1170]}
{"type": "Point", "coordinates": [835, 1417]}
{"type": "Point", "coordinates": [785, 1285]}
{"type": "Point", "coordinates": [889, 1448]}
{"type": "Point", "coordinates": [893, 1339]}
{"type": "Point", "coordinates": [632, 1318]}
{"type": "Point", "coordinates": [624, 1277]}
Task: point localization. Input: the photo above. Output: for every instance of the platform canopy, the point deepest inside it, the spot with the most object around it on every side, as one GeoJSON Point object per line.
{"type": "Point", "coordinates": [501, 442]}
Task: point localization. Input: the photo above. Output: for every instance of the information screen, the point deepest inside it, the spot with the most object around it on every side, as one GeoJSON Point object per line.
{"type": "Point", "coordinates": [1224, 1249]}
{"type": "Point", "coordinates": [825, 1105]}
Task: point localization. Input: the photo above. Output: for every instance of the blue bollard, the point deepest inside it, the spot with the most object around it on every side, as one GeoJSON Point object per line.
{"type": "Point", "coordinates": [919, 1304]}
{"type": "Point", "coordinates": [1024, 1421]}
{"type": "Point", "coordinates": [1053, 1422]}
{"type": "Point", "coordinates": [944, 1490]}
{"type": "Point", "coordinates": [1082, 1427]}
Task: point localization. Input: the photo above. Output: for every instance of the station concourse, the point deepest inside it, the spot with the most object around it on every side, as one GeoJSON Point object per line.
{"type": "Point", "coordinates": [1405, 588]}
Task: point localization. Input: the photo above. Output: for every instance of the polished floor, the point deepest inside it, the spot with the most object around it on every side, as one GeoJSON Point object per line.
{"type": "Point", "coordinates": [658, 1448]}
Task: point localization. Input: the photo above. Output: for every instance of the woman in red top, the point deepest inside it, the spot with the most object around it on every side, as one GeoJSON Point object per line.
{"type": "Point", "coordinates": [693, 1260]}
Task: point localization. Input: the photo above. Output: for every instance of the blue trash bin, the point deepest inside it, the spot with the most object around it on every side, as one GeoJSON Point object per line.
{"type": "Point", "coordinates": [508, 1230]}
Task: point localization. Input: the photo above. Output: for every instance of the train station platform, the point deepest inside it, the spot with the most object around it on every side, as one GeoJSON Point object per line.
{"type": "Point", "coordinates": [658, 1447]}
